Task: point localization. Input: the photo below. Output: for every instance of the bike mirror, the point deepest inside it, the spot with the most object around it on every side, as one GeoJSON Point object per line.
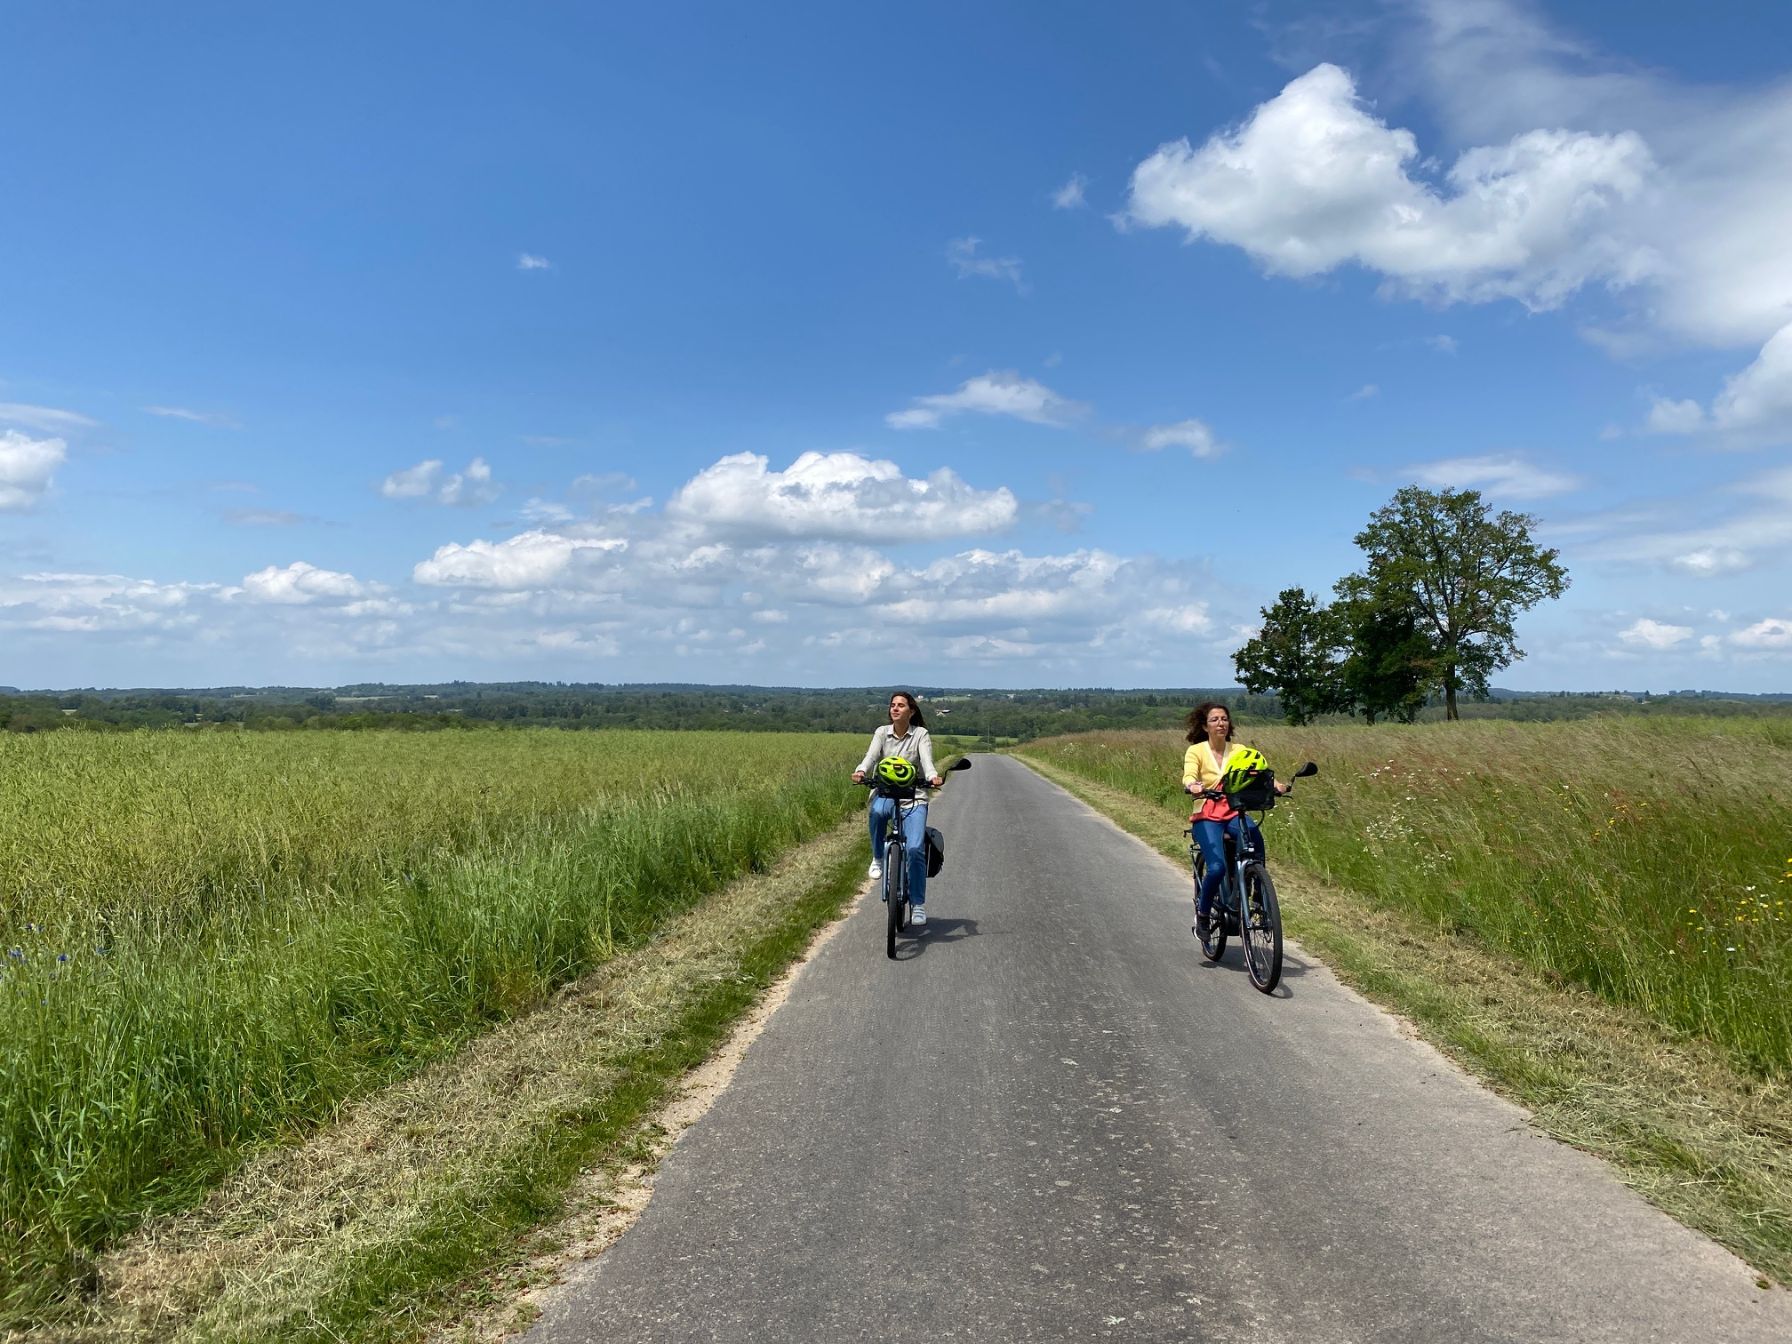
{"type": "Point", "coordinates": [962, 763]}
{"type": "Point", "coordinates": [1310, 768]}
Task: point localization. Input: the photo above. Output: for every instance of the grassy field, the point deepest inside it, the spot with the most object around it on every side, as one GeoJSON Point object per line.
{"type": "Point", "coordinates": [1649, 860]}
{"type": "Point", "coordinates": [210, 941]}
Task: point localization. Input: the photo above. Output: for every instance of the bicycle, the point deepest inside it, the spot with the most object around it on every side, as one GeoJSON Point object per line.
{"type": "Point", "coordinates": [1246, 903]}
{"type": "Point", "coordinates": [896, 903]}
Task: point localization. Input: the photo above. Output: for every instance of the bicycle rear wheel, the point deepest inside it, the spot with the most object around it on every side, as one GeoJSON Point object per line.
{"type": "Point", "coordinates": [895, 898]}
{"type": "Point", "coordinates": [1260, 927]}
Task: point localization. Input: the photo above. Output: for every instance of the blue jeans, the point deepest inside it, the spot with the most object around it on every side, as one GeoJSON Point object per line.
{"type": "Point", "coordinates": [914, 831]}
{"type": "Point", "coordinates": [1210, 836]}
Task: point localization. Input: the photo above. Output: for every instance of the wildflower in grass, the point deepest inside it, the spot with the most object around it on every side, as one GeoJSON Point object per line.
{"type": "Point", "coordinates": [62, 956]}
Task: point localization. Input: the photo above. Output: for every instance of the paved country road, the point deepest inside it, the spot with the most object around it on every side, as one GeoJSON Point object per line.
{"type": "Point", "coordinates": [1053, 1121]}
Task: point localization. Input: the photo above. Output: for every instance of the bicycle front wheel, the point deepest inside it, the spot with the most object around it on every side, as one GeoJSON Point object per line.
{"type": "Point", "coordinates": [895, 899]}
{"type": "Point", "coordinates": [1260, 924]}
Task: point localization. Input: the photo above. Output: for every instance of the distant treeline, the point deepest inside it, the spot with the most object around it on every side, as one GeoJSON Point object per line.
{"type": "Point", "coordinates": [977, 714]}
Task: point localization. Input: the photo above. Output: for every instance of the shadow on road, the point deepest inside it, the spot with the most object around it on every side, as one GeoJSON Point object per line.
{"type": "Point", "coordinates": [938, 931]}
{"type": "Point", "coordinates": [1233, 960]}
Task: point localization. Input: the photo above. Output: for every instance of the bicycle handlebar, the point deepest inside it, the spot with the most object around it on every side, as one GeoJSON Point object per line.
{"type": "Point", "coordinates": [1220, 795]}
{"type": "Point", "coordinates": [870, 781]}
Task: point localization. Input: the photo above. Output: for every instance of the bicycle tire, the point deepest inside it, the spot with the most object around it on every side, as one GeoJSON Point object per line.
{"type": "Point", "coordinates": [895, 899]}
{"type": "Point", "coordinates": [1260, 928]}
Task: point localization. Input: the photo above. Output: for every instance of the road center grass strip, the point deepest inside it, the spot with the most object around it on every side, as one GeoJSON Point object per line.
{"type": "Point", "coordinates": [384, 1223]}
{"type": "Point", "coordinates": [1705, 1141]}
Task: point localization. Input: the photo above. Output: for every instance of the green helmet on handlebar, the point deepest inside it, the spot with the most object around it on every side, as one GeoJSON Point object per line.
{"type": "Point", "coordinates": [1246, 764]}
{"type": "Point", "coordinates": [897, 771]}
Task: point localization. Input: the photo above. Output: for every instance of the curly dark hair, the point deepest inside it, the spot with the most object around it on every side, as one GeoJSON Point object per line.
{"type": "Point", "coordinates": [1197, 720]}
{"type": "Point", "coordinates": [913, 704]}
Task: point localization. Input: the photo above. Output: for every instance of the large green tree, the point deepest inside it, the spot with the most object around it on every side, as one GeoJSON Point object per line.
{"type": "Point", "coordinates": [1298, 655]}
{"type": "Point", "coordinates": [1389, 670]}
{"type": "Point", "coordinates": [1469, 573]}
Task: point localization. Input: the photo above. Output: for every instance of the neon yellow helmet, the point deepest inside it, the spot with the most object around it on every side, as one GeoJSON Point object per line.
{"type": "Point", "coordinates": [1245, 764]}
{"type": "Point", "coordinates": [896, 770]}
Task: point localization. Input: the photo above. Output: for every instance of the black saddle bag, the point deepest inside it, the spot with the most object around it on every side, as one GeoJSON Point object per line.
{"type": "Point", "coordinates": [936, 852]}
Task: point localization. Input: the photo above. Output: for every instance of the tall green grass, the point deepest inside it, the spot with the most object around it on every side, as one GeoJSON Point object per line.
{"type": "Point", "coordinates": [210, 941]}
{"type": "Point", "coordinates": [1647, 859]}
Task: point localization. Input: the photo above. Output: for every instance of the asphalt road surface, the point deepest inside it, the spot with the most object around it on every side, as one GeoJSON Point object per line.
{"type": "Point", "coordinates": [1050, 1120]}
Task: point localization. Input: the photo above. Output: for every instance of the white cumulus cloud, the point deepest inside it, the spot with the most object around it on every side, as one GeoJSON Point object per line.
{"type": "Point", "coordinates": [1757, 402]}
{"type": "Point", "coordinates": [300, 583]}
{"type": "Point", "coordinates": [1312, 180]}
{"type": "Point", "coordinates": [529, 560]}
{"type": "Point", "coordinates": [1193, 435]}
{"type": "Point", "coordinates": [838, 495]}
{"type": "Point", "coordinates": [27, 468]}
{"type": "Point", "coordinates": [1676, 417]}
{"type": "Point", "coordinates": [1770, 634]}
{"type": "Point", "coordinates": [1710, 561]}
{"type": "Point", "coordinates": [998, 392]}
{"type": "Point", "coordinates": [413, 482]}
{"type": "Point", "coordinates": [71, 603]}
{"type": "Point", "coordinates": [472, 486]}
{"type": "Point", "coordinates": [1715, 217]}
{"type": "Point", "coordinates": [1760, 397]}
{"type": "Point", "coordinates": [1070, 195]}
{"type": "Point", "coordinates": [1649, 634]}
{"type": "Point", "coordinates": [529, 261]}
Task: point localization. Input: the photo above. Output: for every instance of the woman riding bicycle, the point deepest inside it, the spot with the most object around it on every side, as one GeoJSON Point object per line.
{"type": "Point", "coordinates": [904, 735]}
{"type": "Point", "coordinates": [1211, 755]}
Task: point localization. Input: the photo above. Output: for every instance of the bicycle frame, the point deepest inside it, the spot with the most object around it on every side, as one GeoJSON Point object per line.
{"type": "Point", "coordinates": [1230, 899]}
{"type": "Point", "coordinates": [894, 833]}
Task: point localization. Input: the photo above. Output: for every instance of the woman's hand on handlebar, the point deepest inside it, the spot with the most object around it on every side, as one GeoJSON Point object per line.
{"type": "Point", "coordinates": [937, 780]}
{"type": "Point", "coordinates": [858, 776]}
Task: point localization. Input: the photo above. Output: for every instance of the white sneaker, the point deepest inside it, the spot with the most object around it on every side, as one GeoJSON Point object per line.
{"type": "Point", "coordinates": [917, 916]}
{"type": "Point", "coordinates": [875, 871]}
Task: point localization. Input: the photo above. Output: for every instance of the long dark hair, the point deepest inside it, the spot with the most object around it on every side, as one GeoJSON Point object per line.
{"type": "Point", "coordinates": [913, 704]}
{"type": "Point", "coordinates": [1197, 720]}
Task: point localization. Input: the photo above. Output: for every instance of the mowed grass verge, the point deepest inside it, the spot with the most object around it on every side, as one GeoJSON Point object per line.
{"type": "Point", "coordinates": [212, 941]}
{"type": "Point", "coordinates": [1638, 1019]}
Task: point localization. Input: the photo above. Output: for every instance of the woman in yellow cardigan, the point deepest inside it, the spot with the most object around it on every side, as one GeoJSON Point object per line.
{"type": "Point", "coordinates": [1204, 765]}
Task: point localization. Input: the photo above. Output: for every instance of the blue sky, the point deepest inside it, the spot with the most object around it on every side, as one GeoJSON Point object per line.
{"type": "Point", "coordinates": [999, 344]}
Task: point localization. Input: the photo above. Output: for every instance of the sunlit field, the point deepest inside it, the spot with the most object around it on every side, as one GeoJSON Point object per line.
{"type": "Point", "coordinates": [1650, 860]}
{"type": "Point", "coordinates": [210, 941]}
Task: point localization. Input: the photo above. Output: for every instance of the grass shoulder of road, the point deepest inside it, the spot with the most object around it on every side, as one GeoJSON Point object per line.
{"type": "Point", "coordinates": [1702, 1141]}
{"type": "Point", "coordinates": [439, 1199]}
